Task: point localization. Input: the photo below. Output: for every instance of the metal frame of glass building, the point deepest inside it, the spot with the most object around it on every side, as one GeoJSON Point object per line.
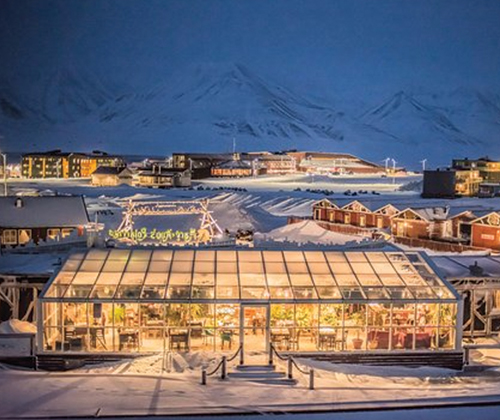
{"type": "Point", "coordinates": [141, 300]}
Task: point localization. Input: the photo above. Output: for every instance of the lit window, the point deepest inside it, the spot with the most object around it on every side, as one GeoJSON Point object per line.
{"type": "Point", "coordinates": [53, 234]}
{"type": "Point", "coordinates": [10, 237]}
{"type": "Point", "coordinates": [24, 236]}
{"type": "Point", "coordinates": [66, 232]}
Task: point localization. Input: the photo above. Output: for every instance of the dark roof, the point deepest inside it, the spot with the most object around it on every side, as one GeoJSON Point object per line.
{"type": "Point", "coordinates": [58, 211]}
{"type": "Point", "coordinates": [109, 170]}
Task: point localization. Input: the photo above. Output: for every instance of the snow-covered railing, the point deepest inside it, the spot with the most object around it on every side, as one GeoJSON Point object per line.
{"type": "Point", "coordinates": [469, 347]}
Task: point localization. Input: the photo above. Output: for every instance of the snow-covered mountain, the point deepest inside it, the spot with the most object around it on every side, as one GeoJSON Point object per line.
{"type": "Point", "coordinates": [204, 107]}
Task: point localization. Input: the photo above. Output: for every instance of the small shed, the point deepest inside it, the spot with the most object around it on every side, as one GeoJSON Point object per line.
{"type": "Point", "coordinates": [39, 220]}
{"type": "Point", "coordinates": [109, 176]}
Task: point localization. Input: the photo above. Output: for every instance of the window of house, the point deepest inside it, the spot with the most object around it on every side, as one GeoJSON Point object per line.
{"type": "Point", "coordinates": [66, 232]}
{"type": "Point", "coordinates": [10, 237]}
{"type": "Point", "coordinates": [53, 234]}
{"type": "Point", "coordinates": [24, 236]}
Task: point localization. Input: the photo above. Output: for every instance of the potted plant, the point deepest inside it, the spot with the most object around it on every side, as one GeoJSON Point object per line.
{"type": "Point", "coordinates": [358, 318]}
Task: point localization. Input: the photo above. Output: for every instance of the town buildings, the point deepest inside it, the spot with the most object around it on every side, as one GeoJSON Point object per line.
{"type": "Point", "coordinates": [334, 163]}
{"type": "Point", "coordinates": [464, 178]}
{"type": "Point", "coordinates": [57, 164]}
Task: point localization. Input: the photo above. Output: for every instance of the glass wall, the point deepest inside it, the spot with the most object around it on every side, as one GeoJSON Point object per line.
{"type": "Point", "coordinates": [132, 327]}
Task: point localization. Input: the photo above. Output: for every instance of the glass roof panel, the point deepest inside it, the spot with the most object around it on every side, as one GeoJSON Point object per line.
{"type": "Point", "coordinates": [109, 278]}
{"type": "Point", "coordinates": [335, 257]}
{"type": "Point", "coordinates": [369, 280]}
{"type": "Point", "coordinates": [319, 268]}
{"type": "Point", "coordinates": [246, 274]}
{"type": "Point", "coordinates": [64, 277]}
{"type": "Point", "coordinates": [249, 256]}
{"type": "Point", "coordinates": [184, 255]}
{"type": "Point", "coordinates": [226, 267]}
{"type": "Point", "coordinates": [277, 279]}
{"type": "Point", "coordinates": [133, 278]}
{"type": "Point", "coordinates": [356, 257]}
{"type": "Point", "coordinates": [346, 280]}
{"type": "Point", "coordinates": [362, 268]}
{"type": "Point", "coordinates": [383, 268]}
{"type": "Point", "coordinates": [207, 279]}
{"type": "Point", "coordinates": [297, 268]}
{"type": "Point", "coordinates": [114, 265]}
{"type": "Point", "coordinates": [205, 255]}
{"type": "Point", "coordinates": [84, 278]}
{"type": "Point", "coordinates": [324, 280]}
{"type": "Point", "coordinates": [272, 256]}
{"type": "Point", "coordinates": [293, 256]}
{"type": "Point", "coordinates": [159, 266]}
{"type": "Point", "coordinates": [315, 256]}
{"type": "Point", "coordinates": [156, 278]}
{"type": "Point", "coordinates": [340, 268]}
{"type": "Point", "coordinates": [226, 256]}
{"type": "Point", "coordinates": [252, 279]}
{"type": "Point", "coordinates": [376, 257]}
{"type": "Point", "coordinates": [96, 254]}
{"type": "Point", "coordinates": [300, 280]}
{"type": "Point", "coordinates": [328, 292]}
{"type": "Point", "coordinates": [71, 265]}
{"type": "Point", "coordinates": [391, 280]}
{"type": "Point", "coordinates": [92, 265]}
{"type": "Point", "coordinates": [162, 255]}
{"type": "Point", "coordinates": [119, 254]}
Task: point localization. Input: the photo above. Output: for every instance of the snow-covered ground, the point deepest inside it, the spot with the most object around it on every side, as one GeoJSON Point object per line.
{"type": "Point", "coordinates": [139, 388]}
{"type": "Point", "coordinates": [260, 204]}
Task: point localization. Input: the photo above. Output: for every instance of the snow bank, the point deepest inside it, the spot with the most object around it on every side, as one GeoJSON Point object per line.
{"type": "Point", "coordinates": [305, 232]}
{"type": "Point", "coordinates": [16, 326]}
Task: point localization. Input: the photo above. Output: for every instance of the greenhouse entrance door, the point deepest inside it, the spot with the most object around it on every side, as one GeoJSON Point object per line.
{"type": "Point", "coordinates": [254, 332]}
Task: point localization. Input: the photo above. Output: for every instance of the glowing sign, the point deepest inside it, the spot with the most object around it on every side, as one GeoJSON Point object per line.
{"type": "Point", "coordinates": [162, 236]}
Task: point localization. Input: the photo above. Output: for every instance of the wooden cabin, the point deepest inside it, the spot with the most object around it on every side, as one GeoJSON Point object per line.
{"type": "Point", "coordinates": [109, 176]}
{"type": "Point", "coordinates": [324, 210]}
{"type": "Point", "coordinates": [381, 218]}
{"type": "Point", "coordinates": [41, 220]}
{"type": "Point", "coordinates": [421, 223]}
{"type": "Point", "coordinates": [485, 231]}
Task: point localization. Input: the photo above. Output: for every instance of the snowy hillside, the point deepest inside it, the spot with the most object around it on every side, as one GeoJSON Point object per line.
{"type": "Point", "coordinates": [205, 106]}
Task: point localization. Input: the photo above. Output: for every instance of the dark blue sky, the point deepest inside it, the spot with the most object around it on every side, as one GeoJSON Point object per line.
{"type": "Point", "coordinates": [348, 44]}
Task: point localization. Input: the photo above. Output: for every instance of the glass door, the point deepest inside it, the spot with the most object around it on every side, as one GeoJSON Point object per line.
{"type": "Point", "coordinates": [254, 331]}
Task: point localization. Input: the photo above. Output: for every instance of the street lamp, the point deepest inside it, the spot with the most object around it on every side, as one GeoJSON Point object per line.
{"type": "Point", "coordinates": [4, 158]}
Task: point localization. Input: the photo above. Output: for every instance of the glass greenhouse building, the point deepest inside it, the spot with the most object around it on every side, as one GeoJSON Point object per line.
{"type": "Point", "coordinates": [140, 300]}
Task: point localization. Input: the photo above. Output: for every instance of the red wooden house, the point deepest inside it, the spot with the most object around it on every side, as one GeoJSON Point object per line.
{"type": "Point", "coordinates": [421, 223]}
{"type": "Point", "coordinates": [324, 210]}
{"type": "Point", "coordinates": [485, 231]}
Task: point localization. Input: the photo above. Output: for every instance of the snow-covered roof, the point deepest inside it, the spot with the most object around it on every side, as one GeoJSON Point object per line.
{"type": "Point", "coordinates": [111, 170]}
{"type": "Point", "coordinates": [458, 266]}
{"type": "Point", "coordinates": [430, 214]}
{"type": "Point", "coordinates": [234, 164]}
{"type": "Point", "coordinates": [33, 212]}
